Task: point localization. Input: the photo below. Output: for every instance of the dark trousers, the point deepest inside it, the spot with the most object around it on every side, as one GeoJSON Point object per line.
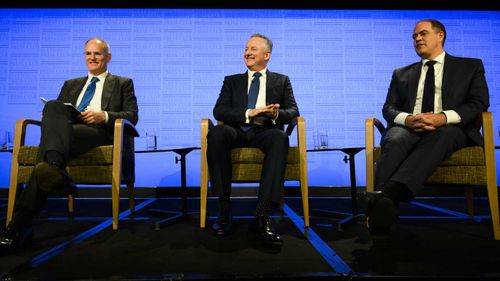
{"type": "Point", "coordinates": [60, 133]}
{"type": "Point", "coordinates": [273, 142]}
{"type": "Point", "coordinates": [410, 158]}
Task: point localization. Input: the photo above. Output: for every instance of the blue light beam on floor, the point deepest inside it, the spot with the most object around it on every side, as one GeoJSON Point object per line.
{"type": "Point", "coordinates": [442, 210]}
{"type": "Point", "coordinates": [45, 256]}
{"type": "Point", "coordinates": [323, 249]}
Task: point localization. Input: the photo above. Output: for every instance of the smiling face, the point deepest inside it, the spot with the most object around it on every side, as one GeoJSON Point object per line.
{"type": "Point", "coordinates": [427, 41]}
{"type": "Point", "coordinates": [256, 54]}
{"type": "Point", "coordinates": [96, 56]}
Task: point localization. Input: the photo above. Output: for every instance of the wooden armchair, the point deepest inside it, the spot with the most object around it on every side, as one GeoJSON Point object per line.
{"type": "Point", "coordinates": [469, 166]}
{"type": "Point", "coordinates": [247, 166]}
{"type": "Point", "coordinates": [107, 164]}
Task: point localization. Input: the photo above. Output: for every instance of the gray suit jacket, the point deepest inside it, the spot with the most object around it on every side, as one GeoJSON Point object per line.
{"type": "Point", "coordinates": [232, 102]}
{"type": "Point", "coordinates": [118, 97]}
{"type": "Point", "coordinates": [464, 90]}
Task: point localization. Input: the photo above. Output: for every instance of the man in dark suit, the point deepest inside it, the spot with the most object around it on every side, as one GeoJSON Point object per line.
{"type": "Point", "coordinates": [254, 106]}
{"type": "Point", "coordinates": [101, 98]}
{"type": "Point", "coordinates": [431, 109]}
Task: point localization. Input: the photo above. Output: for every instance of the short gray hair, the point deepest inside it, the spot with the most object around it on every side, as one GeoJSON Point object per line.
{"type": "Point", "coordinates": [269, 43]}
{"type": "Point", "coordinates": [107, 49]}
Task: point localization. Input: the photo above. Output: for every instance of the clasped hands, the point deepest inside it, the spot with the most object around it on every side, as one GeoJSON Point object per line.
{"type": "Point", "coordinates": [269, 111]}
{"type": "Point", "coordinates": [90, 117]}
{"type": "Point", "coordinates": [425, 121]}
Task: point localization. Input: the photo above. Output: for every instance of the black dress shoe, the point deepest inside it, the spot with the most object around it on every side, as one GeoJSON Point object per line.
{"type": "Point", "coordinates": [222, 225]}
{"type": "Point", "coordinates": [13, 238]}
{"type": "Point", "coordinates": [54, 180]}
{"type": "Point", "coordinates": [263, 229]}
{"type": "Point", "coordinates": [380, 213]}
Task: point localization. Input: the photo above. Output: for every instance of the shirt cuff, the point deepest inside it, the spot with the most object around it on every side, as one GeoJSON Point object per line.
{"type": "Point", "coordinates": [275, 118]}
{"type": "Point", "coordinates": [400, 118]}
{"type": "Point", "coordinates": [106, 117]}
{"type": "Point", "coordinates": [247, 118]}
{"type": "Point", "coordinates": [452, 117]}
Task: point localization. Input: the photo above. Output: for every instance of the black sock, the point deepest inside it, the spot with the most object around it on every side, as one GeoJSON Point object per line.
{"type": "Point", "coordinates": [56, 158]}
{"type": "Point", "coordinates": [263, 207]}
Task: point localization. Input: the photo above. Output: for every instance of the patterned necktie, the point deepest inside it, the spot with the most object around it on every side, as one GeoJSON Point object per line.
{"type": "Point", "coordinates": [254, 90]}
{"type": "Point", "coordinates": [429, 88]}
{"type": "Point", "coordinates": [89, 93]}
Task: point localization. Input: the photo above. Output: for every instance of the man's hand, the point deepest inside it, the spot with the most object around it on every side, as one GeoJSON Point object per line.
{"type": "Point", "coordinates": [92, 118]}
{"type": "Point", "coordinates": [425, 121]}
{"type": "Point", "coordinates": [270, 111]}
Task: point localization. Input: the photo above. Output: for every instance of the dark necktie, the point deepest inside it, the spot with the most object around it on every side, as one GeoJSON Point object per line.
{"type": "Point", "coordinates": [429, 89]}
{"type": "Point", "coordinates": [253, 93]}
{"type": "Point", "coordinates": [89, 93]}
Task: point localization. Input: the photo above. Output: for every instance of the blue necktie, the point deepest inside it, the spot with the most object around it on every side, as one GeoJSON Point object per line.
{"type": "Point", "coordinates": [89, 93]}
{"type": "Point", "coordinates": [429, 88]}
{"type": "Point", "coordinates": [253, 93]}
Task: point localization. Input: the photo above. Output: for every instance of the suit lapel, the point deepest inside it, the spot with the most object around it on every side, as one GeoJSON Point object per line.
{"type": "Point", "coordinates": [447, 78]}
{"type": "Point", "coordinates": [269, 86]}
{"type": "Point", "coordinates": [74, 97]}
{"type": "Point", "coordinates": [242, 89]}
{"type": "Point", "coordinates": [107, 90]}
{"type": "Point", "coordinates": [413, 84]}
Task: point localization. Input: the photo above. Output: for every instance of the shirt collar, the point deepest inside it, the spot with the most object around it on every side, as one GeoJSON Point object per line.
{"type": "Point", "coordinates": [439, 59]}
{"type": "Point", "coordinates": [263, 72]}
{"type": "Point", "coordinates": [101, 76]}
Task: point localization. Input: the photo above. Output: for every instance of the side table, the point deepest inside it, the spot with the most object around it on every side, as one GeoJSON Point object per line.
{"type": "Point", "coordinates": [183, 213]}
{"type": "Point", "coordinates": [349, 158]}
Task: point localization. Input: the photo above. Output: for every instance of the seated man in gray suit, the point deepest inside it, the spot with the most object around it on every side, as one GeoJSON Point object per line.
{"type": "Point", "coordinates": [431, 109]}
{"type": "Point", "coordinates": [254, 106]}
{"type": "Point", "coordinates": [101, 98]}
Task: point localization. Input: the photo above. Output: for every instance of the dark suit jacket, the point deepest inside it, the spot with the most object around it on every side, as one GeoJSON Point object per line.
{"type": "Point", "coordinates": [232, 102]}
{"type": "Point", "coordinates": [118, 98]}
{"type": "Point", "coordinates": [464, 90]}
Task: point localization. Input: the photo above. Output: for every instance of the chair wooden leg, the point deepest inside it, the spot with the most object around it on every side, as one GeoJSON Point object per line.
{"type": "Point", "coordinates": [305, 202]}
{"type": "Point", "coordinates": [13, 190]}
{"type": "Point", "coordinates": [469, 197]}
{"type": "Point", "coordinates": [115, 202]}
{"type": "Point", "coordinates": [131, 197]}
{"type": "Point", "coordinates": [71, 204]}
{"type": "Point", "coordinates": [493, 200]}
{"type": "Point", "coordinates": [203, 203]}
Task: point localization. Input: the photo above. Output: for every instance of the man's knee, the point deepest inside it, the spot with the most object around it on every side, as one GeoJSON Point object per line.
{"type": "Point", "coordinates": [279, 138]}
{"type": "Point", "coordinates": [398, 136]}
{"type": "Point", "coordinates": [220, 134]}
{"type": "Point", "coordinates": [216, 134]}
{"type": "Point", "coordinates": [53, 106]}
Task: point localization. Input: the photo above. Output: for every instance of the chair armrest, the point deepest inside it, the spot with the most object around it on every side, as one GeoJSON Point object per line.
{"type": "Point", "coordinates": [370, 124]}
{"type": "Point", "coordinates": [489, 148]}
{"type": "Point", "coordinates": [126, 127]}
{"type": "Point", "coordinates": [20, 133]}
{"type": "Point", "coordinates": [206, 125]}
{"type": "Point", "coordinates": [301, 135]}
{"type": "Point", "coordinates": [122, 127]}
{"type": "Point", "coordinates": [292, 125]}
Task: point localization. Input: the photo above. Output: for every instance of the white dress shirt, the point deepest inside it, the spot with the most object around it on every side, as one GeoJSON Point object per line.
{"type": "Point", "coordinates": [261, 98]}
{"type": "Point", "coordinates": [452, 116]}
{"type": "Point", "coordinates": [95, 103]}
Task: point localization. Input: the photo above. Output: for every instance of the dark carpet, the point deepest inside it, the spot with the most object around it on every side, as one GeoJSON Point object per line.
{"type": "Point", "coordinates": [424, 244]}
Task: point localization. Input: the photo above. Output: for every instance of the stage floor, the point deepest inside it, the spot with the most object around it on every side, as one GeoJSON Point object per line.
{"type": "Point", "coordinates": [428, 241]}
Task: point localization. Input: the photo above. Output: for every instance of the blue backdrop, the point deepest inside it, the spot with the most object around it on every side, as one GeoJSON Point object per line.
{"type": "Point", "coordinates": [339, 61]}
